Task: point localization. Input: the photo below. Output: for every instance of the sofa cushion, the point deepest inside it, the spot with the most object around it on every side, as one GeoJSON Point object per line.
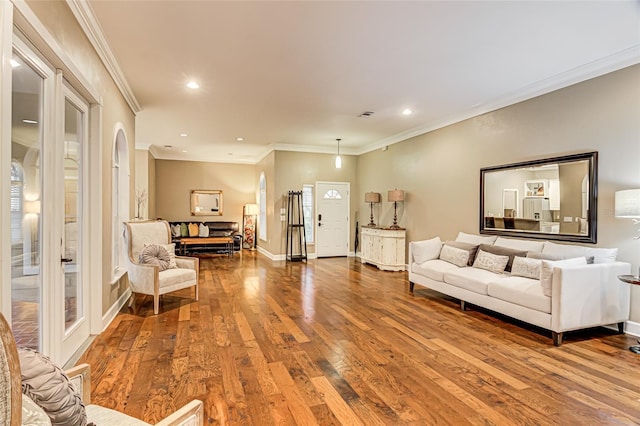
{"type": "Point", "coordinates": [602, 255]}
{"type": "Point", "coordinates": [460, 254]}
{"type": "Point", "coordinates": [426, 250]}
{"type": "Point", "coordinates": [220, 233]}
{"type": "Point", "coordinates": [546, 271]}
{"type": "Point", "coordinates": [172, 277]}
{"type": "Point", "coordinates": [474, 239]}
{"type": "Point", "coordinates": [47, 385]}
{"type": "Point", "coordinates": [503, 251]}
{"type": "Point", "coordinates": [522, 291]}
{"type": "Point", "coordinates": [491, 262]}
{"type": "Point", "coordinates": [472, 279]}
{"type": "Point", "coordinates": [526, 267]}
{"type": "Point", "coordinates": [567, 250]}
{"type": "Point", "coordinates": [433, 269]}
{"type": "Point", "coordinates": [520, 245]}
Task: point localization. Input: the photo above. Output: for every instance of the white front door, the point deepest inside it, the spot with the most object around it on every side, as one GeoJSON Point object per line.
{"type": "Point", "coordinates": [332, 208]}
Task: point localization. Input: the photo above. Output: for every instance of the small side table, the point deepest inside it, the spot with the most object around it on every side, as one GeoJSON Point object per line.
{"type": "Point", "coordinates": [635, 280]}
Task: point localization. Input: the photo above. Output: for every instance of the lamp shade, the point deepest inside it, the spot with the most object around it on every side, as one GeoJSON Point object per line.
{"type": "Point", "coordinates": [395, 195]}
{"type": "Point", "coordinates": [627, 204]}
{"type": "Point", "coordinates": [371, 197]}
{"type": "Point", "coordinates": [251, 210]}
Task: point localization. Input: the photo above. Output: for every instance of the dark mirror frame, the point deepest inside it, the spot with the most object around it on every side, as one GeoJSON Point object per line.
{"type": "Point", "coordinates": [590, 237]}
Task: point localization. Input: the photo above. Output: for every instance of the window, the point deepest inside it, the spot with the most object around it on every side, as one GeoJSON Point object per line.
{"type": "Point", "coordinates": [332, 194]}
{"type": "Point", "coordinates": [263, 208]}
{"type": "Point", "coordinates": [307, 211]}
{"type": "Point", "coordinates": [120, 199]}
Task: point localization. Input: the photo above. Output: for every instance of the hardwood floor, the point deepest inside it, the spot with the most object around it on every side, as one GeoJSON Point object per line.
{"type": "Point", "coordinates": [337, 342]}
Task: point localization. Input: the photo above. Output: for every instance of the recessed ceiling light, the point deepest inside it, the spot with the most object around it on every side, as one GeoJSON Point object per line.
{"type": "Point", "coordinates": [407, 111]}
{"type": "Point", "coordinates": [29, 121]}
{"type": "Point", "coordinates": [184, 135]}
{"type": "Point", "coordinates": [14, 63]}
{"type": "Point", "coordinates": [193, 85]}
{"type": "Point", "coordinates": [184, 150]}
{"type": "Point", "coordinates": [239, 139]}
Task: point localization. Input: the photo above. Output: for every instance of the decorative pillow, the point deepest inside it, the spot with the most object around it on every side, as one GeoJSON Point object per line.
{"type": "Point", "coordinates": [33, 414]}
{"type": "Point", "coordinates": [175, 230]}
{"type": "Point", "coordinates": [184, 230]}
{"type": "Point", "coordinates": [193, 230]}
{"type": "Point", "coordinates": [546, 271]}
{"type": "Point", "coordinates": [203, 230]}
{"type": "Point", "coordinates": [526, 267]}
{"type": "Point", "coordinates": [547, 256]}
{"type": "Point", "coordinates": [426, 250]}
{"type": "Point", "coordinates": [474, 239]}
{"type": "Point", "coordinates": [471, 248]}
{"type": "Point", "coordinates": [171, 249]}
{"type": "Point", "coordinates": [503, 251]}
{"type": "Point", "coordinates": [457, 256]}
{"type": "Point", "coordinates": [48, 386]}
{"type": "Point", "coordinates": [155, 254]}
{"type": "Point", "coordinates": [490, 262]}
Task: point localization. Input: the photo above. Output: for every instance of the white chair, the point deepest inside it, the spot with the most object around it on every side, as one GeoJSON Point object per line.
{"type": "Point", "coordinates": [148, 279]}
{"type": "Point", "coordinates": [12, 412]}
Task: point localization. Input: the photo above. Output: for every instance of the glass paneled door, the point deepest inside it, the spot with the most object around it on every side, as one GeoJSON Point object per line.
{"type": "Point", "coordinates": [76, 323]}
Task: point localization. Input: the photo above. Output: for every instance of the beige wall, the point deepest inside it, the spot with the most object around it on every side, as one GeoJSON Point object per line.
{"type": "Point", "coordinates": [294, 169]}
{"type": "Point", "coordinates": [440, 170]}
{"type": "Point", "coordinates": [176, 179]}
{"type": "Point", "coordinates": [60, 22]}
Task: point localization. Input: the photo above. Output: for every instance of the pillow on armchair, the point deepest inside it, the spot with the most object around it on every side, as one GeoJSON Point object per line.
{"type": "Point", "coordinates": [47, 385]}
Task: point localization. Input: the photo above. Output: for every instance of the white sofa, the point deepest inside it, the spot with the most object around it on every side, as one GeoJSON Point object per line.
{"type": "Point", "coordinates": [577, 296]}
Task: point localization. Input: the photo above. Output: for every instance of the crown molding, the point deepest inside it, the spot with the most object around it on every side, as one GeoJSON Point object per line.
{"type": "Point", "coordinates": [84, 15]}
{"type": "Point", "coordinates": [617, 61]}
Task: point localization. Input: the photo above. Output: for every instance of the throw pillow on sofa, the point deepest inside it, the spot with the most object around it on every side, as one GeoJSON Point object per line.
{"type": "Point", "coordinates": [491, 262]}
{"type": "Point", "coordinates": [426, 250]}
{"type": "Point", "coordinates": [203, 230]}
{"type": "Point", "coordinates": [47, 385]}
{"type": "Point", "coordinates": [474, 239]}
{"type": "Point", "coordinates": [458, 253]}
{"type": "Point", "coordinates": [175, 230]}
{"type": "Point", "coordinates": [503, 251]}
{"type": "Point", "coordinates": [193, 230]}
{"type": "Point", "coordinates": [184, 230]}
{"type": "Point", "coordinates": [526, 267]}
{"type": "Point", "coordinates": [546, 271]}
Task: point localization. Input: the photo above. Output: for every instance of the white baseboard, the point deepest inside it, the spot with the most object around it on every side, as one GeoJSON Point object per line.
{"type": "Point", "coordinates": [115, 308]}
{"type": "Point", "coordinates": [632, 328]}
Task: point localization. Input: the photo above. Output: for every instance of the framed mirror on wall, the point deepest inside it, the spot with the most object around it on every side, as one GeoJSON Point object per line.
{"type": "Point", "coordinates": [206, 203]}
{"type": "Point", "coordinates": [552, 198]}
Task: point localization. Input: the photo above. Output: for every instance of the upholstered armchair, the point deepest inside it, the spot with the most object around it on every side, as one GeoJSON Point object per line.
{"type": "Point", "coordinates": [16, 408]}
{"type": "Point", "coordinates": [152, 278]}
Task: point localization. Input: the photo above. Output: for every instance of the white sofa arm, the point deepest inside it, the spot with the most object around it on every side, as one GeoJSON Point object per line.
{"type": "Point", "coordinates": [589, 296]}
{"type": "Point", "coordinates": [142, 278]}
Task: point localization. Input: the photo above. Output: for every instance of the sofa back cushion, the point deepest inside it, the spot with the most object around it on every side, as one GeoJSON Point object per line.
{"type": "Point", "coordinates": [522, 245]}
{"type": "Point", "coordinates": [503, 251]}
{"type": "Point", "coordinates": [475, 239]}
{"type": "Point", "coordinates": [426, 250]}
{"type": "Point", "coordinates": [568, 251]}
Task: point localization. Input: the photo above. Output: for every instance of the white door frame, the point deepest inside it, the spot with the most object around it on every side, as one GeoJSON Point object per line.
{"type": "Point", "coordinates": [318, 196]}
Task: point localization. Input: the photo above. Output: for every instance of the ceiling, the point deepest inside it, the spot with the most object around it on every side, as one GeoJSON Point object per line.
{"type": "Point", "coordinates": [296, 75]}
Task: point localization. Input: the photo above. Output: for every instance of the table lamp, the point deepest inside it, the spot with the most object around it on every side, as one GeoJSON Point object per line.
{"type": "Point", "coordinates": [396, 195]}
{"type": "Point", "coordinates": [371, 197]}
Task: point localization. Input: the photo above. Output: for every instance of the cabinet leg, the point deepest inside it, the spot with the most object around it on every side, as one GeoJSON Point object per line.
{"type": "Point", "coordinates": [557, 338]}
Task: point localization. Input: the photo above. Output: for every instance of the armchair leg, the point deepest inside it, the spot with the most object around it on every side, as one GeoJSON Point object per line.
{"type": "Point", "coordinates": [621, 327]}
{"type": "Point", "coordinates": [156, 304]}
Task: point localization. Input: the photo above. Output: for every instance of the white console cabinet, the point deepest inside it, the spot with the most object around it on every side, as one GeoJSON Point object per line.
{"type": "Point", "coordinates": [384, 248]}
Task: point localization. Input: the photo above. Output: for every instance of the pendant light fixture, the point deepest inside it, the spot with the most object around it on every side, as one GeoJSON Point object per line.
{"type": "Point", "coordinates": [338, 159]}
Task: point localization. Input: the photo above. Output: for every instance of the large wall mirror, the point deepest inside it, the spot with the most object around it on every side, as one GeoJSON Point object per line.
{"type": "Point", "coordinates": [206, 203]}
{"type": "Point", "coordinates": [553, 198]}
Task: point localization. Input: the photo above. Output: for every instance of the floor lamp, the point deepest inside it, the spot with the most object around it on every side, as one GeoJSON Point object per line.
{"type": "Point", "coordinates": [250, 213]}
{"type": "Point", "coordinates": [627, 206]}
